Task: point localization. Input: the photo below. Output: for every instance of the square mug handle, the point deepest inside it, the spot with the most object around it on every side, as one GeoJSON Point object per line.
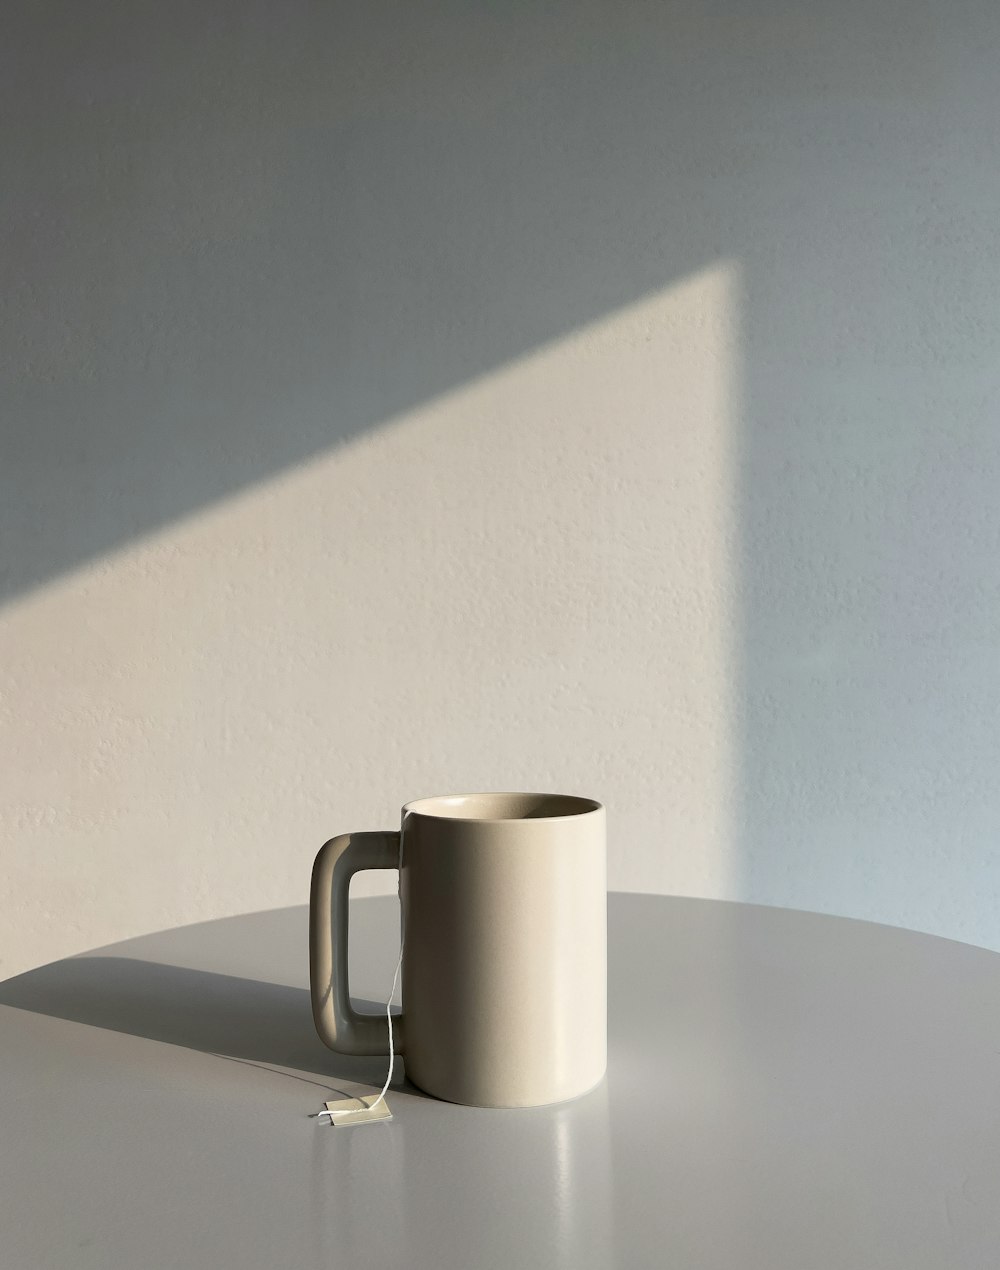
{"type": "Point", "coordinates": [339, 1025]}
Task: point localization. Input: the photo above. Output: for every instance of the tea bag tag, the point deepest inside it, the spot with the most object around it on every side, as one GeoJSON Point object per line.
{"type": "Point", "coordinates": [357, 1110]}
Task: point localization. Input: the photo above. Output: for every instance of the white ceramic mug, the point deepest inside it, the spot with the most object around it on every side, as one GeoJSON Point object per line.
{"type": "Point", "coordinates": [504, 918]}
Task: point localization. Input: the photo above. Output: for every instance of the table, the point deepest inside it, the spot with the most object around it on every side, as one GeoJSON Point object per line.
{"type": "Point", "coordinates": [784, 1090]}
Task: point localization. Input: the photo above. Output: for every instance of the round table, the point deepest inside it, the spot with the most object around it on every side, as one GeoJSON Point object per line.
{"type": "Point", "coordinates": [784, 1090]}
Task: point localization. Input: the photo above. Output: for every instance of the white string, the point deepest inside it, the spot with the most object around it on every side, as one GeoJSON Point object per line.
{"type": "Point", "coordinates": [354, 1111]}
{"type": "Point", "coordinates": [388, 1016]}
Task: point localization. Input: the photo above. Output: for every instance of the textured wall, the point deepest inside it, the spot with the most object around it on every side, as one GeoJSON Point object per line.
{"type": "Point", "coordinates": [404, 399]}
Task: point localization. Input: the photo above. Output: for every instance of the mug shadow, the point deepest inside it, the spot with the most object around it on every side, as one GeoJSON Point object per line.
{"type": "Point", "coordinates": [247, 1020]}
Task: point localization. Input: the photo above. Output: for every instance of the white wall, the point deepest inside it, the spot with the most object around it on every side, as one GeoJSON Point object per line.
{"type": "Point", "coordinates": [403, 399]}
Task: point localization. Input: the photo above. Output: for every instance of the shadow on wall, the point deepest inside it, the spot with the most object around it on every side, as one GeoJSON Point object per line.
{"type": "Point", "coordinates": [868, 522]}
{"type": "Point", "coordinates": [236, 240]}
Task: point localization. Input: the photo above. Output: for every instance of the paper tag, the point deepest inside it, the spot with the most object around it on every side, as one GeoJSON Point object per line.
{"type": "Point", "coordinates": [344, 1111]}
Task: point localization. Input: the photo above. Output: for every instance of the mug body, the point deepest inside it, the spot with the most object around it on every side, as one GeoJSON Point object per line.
{"type": "Point", "coordinates": [504, 947]}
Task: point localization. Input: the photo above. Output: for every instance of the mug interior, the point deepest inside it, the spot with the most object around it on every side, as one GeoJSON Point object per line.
{"type": "Point", "coordinates": [502, 806]}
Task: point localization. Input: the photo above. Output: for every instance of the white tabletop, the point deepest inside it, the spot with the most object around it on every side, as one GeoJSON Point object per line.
{"type": "Point", "coordinates": [784, 1090]}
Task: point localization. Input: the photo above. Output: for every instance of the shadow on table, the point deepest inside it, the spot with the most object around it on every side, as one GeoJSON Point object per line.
{"type": "Point", "coordinates": [243, 1019]}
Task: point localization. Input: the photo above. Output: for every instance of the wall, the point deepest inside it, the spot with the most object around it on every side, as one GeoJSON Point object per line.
{"type": "Point", "coordinates": [403, 399]}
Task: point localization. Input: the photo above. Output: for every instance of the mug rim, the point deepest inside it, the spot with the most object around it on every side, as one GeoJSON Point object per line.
{"type": "Point", "coordinates": [577, 805]}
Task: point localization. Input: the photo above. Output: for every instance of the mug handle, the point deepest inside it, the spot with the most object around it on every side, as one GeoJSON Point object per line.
{"type": "Point", "coordinates": [339, 1025]}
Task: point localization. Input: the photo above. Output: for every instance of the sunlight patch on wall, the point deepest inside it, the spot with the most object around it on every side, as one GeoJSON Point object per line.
{"type": "Point", "coordinates": [524, 583]}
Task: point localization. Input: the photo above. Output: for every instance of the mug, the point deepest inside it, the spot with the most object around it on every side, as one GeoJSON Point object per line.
{"type": "Point", "coordinates": [504, 933]}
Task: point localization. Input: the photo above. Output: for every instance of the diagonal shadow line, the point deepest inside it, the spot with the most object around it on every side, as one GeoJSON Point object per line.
{"type": "Point", "coordinates": [203, 307]}
{"type": "Point", "coordinates": [242, 1019]}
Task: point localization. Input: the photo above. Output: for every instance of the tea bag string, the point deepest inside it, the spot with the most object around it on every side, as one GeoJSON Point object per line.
{"type": "Point", "coordinates": [354, 1111]}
